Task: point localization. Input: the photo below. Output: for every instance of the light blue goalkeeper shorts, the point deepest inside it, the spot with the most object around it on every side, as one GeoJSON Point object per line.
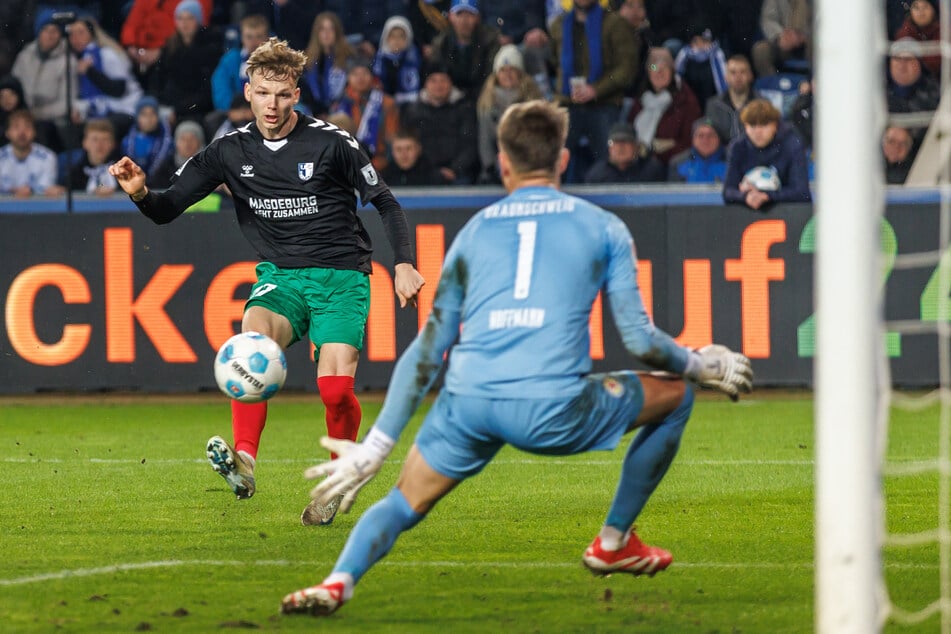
{"type": "Point", "coordinates": [461, 434]}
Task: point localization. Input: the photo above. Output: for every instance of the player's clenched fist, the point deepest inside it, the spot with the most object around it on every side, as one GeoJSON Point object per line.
{"type": "Point", "coordinates": [130, 176]}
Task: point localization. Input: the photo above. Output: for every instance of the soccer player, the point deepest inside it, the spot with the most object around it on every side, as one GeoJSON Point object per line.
{"type": "Point", "coordinates": [294, 180]}
{"type": "Point", "coordinates": [522, 276]}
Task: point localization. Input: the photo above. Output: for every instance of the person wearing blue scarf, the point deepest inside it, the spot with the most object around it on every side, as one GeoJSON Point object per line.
{"type": "Point", "coordinates": [397, 61]}
{"type": "Point", "coordinates": [149, 141]}
{"type": "Point", "coordinates": [597, 63]}
{"type": "Point", "coordinates": [374, 113]}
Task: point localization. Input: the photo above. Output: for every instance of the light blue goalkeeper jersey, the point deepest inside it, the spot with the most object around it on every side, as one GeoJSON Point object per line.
{"type": "Point", "coordinates": [518, 282]}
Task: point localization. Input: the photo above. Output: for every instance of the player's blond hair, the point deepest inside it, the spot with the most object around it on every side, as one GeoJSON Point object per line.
{"type": "Point", "coordinates": [532, 135]}
{"type": "Point", "coordinates": [276, 60]}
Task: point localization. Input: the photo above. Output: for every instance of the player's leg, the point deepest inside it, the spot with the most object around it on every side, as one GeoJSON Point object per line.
{"type": "Point", "coordinates": [667, 403]}
{"type": "Point", "coordinates": [418, 490]}
{"type": "Point", "coordinates": [235, 463]}
{"type": "Point", "coordinates": [275, 309]}
{"type": "Point", "coordinates": [455, 442]}
{"type": "Point", "coordinates": [340, 303]}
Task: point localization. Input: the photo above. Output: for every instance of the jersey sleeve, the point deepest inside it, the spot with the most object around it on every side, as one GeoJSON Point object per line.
{"type": "Point", "coordinates": [195, 179]}
{"type": "Point", "coordinates": [358, 170]}
{"type": "Point", "coordinates": [641, 337]}
{"type": "Point", "coordinates": [418, 367]}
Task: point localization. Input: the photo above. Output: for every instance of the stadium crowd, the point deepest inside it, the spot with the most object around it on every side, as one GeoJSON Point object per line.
{"type": "Point", "coordinates": [656, 89]}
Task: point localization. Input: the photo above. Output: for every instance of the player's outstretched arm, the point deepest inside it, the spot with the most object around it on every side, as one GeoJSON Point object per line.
{"type": "Point", "coordinates": [413, 376]}
{"type": "Point", "coordinates": [130, 177]}
{"type": "Point", "coordinates": [407, 284]}
{"type": "Point", "coordinates": [720, 368]}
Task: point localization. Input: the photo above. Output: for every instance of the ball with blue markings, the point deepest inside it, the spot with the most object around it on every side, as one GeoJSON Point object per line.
{"type": "Point", "coordinates": [250, 367]}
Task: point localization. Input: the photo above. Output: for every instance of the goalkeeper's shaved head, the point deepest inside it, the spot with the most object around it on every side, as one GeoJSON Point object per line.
{"type": "Point", "coordinates": [532, 135]}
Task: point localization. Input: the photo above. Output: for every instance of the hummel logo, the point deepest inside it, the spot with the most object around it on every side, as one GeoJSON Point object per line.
{"type": "Point", "coordinates": [247, 171]}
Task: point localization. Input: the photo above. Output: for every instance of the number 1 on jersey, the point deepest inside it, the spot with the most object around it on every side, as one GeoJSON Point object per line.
{"type": "Point", "coordinates": [526, 257]}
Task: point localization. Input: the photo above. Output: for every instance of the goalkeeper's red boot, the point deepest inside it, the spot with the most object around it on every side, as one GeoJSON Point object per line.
{"type": "Point", "coordinates": [634, 558]}
{"type": "Point", "coordinates": [322, 600]}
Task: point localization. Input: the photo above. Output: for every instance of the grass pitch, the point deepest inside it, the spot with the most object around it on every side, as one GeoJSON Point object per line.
{"type": "Point", "coordinates": [112, 521]}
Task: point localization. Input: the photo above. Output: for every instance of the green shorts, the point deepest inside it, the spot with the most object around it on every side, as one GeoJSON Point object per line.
{"type": "Point", "coordinates": [327, 305]}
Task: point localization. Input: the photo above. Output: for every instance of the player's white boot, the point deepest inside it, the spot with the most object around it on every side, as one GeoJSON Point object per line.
{"type": "Point", "coordinates": [321, 600]}
{"type": "Point", "coordinates": [316, 514]}
{"type": "Point", "coordinates": [237, 470]}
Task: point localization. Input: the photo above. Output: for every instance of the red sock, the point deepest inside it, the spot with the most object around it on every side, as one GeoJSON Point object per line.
{"type": "Point", "coordinates": [247, 423]}
{"type": "Point", "coordinates": [343, 408]}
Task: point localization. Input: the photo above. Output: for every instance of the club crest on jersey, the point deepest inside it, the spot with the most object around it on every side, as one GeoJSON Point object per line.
{"type": "Point", "coordinates": [369, 174]}
{"type": "Point", "coordinates": [305, 171]}
{"type": "Point", "coordinates": [612, 386]}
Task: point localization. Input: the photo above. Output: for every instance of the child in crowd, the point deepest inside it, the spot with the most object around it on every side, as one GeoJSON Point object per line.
{"type": "Point", "coordinates": [397, 62]}
{"type": "Point", "coordinates": [149, 141]}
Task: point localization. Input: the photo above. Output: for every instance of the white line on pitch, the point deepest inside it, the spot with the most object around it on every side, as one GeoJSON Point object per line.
{"type": "Point", "coordinates": [175, 563]}
{"type": "Point", "coordinates": [526, 461]}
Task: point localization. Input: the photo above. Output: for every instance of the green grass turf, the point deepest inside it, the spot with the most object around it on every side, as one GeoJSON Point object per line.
{"type": "Point", "coordinates": [111, 521]}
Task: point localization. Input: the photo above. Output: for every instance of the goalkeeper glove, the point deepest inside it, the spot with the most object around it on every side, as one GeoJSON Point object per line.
{"type": "Point", "coordinates": [720, 368]}
{"type": "Point", "coordinates": [355, 465]}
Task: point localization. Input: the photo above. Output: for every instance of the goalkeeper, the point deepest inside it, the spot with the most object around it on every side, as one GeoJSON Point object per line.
{"type": "Point", "coordinates": [521, 277]}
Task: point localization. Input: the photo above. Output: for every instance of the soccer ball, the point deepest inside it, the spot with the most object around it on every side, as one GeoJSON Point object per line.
{"type": "Point", "coordinates": [250, 367]}
{"type": "Point", "coordinates": [765, 179]}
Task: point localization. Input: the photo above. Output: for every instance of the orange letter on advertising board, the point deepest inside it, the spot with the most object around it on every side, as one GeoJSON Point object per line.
{"type": "Point", "coordinates": [755, 270]}
{"type": "Point", "coordinates": [381, 323]}
{"type": "Point", "coordinates": [122, 309]}
{"type": "Point", "coordinates": [21, 328]}
{"type": "Point", "coordinates": [222, 310]}
{"type": "Point", "coordinates": [698, 312]}
{"type": "Point", "coordinates": [645, 282]}
{"type": "Point", "coordinates": [430, 252]}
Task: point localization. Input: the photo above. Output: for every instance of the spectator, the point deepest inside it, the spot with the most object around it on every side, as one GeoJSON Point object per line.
{"type": "Point", "coordinates": [635, 14]}
{"type": "Point", "coordinates": [675, 22]}
{"type": "Point", "coordinates": [787, 31]}
{"type": "Point", "coordinates": [508, 84]}
{"type": "Point", "coordinates": [328, 55]}
{"type": "Point", "coordinates": [409, 167]}
{"type": "Point", "coordinates": [446, 124]}
{"type": "Point", "coordinates": [801, 112]}
{"type": "Point", "coordinates": [398, 62]}
{"type": "Point", "coordinates": [106, 85]}
{"type": "Point", "coordinates": [724, 109]}
{"type": "Point", "coordinates": [429, 18]}
{"type": "Point", "coordinates": [922, 25]}
{"type": "Point", "coordinates": [231, 73]}
{"type": "Point", "coordinates": [290, 20]}
{"type": "Point", "coordinates": [363, 20]}
{"type": "Point", "coordinates": [704, 162]}
{"type": "Point", "coordinates": [189, 139]}
{"type": "Point", "coordinates": [523, 24]}
{"type": "Point", "coordinates": [91, 173]}
{"type": "Point", "coordinates": [181, 79]}
{"type": "Point", "coordinates": [910, 88]}
{"type": "Point", "coordinates": [467, 48]}
{"type": "Point", "coordinates": [627, 161]}
{"type": "Point", "coordinates": [702, 65]}
{"type": "Point", "coordinates": [594, 51]}
{"type": "Point", "coordinates": [41, 69]}
{"type": "Point", "coordinates": [897, 150]}
{"type": "Point", "coordinates": [26, 167]}
{"type": "Point", "coordinates": [373, 112]}
{"type": "Point", "coordinates": [149, 141]}
{"type": "Point", "coordinates": [238, 115]}
{"type": "Point", "coordinates": [11, 99]}
{"type": "Point", "coordinates": [771, 144]}
{"type": "Point", "coordinates": [664, 113]}
{"type": "Point", "coordinates": [150, 23]}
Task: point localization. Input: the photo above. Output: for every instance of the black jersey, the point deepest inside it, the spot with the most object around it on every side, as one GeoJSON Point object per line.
{"type": "Point", "coordinates": [295, 197]}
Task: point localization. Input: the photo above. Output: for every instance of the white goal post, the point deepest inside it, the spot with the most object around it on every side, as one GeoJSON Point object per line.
{"type": "Point", "coordinates": [849, 99]}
